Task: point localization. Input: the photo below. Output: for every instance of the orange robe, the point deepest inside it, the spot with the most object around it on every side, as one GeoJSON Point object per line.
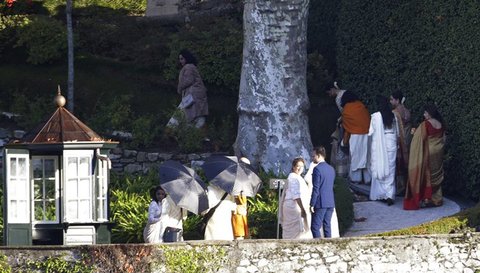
{"type": "Point", "coordinates": [355, 120]}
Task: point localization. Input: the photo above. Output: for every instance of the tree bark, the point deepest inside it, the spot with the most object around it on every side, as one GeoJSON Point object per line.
{"type": "Point", "coordinates": [273, 101]}
{"type": "Point", "coordinates": [70, 96]}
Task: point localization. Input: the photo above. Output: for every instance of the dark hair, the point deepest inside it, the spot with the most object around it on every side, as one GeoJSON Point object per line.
{"type": "Point", "coordinates": [153, 192]}
{"type": "Point", "coordinates": [188, 56]}
{"type": "Point", "coordinates": [296, 160]}
{"type": "Point", "coordinates": [398, 95]}
{"type": "Point", "coordinates": [385, 110]}
{"type": "Point", "coordinates": [348, 97]}
{"type": "Point", "coordinates": [320, 150]}
{"type": "Point", "coordinates": [331, 84]}
{"type": "Point", "coordinates": [433, 111]}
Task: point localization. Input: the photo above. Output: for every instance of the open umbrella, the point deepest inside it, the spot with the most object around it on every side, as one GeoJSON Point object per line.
{"type": "Point", "coordinates": [184, 186]}
{"type": "Point", "coordinates": [231, 175]}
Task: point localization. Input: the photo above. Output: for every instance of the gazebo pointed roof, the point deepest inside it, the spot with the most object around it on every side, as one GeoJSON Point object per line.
{"type": "Point", "coordinates": [63, 126]}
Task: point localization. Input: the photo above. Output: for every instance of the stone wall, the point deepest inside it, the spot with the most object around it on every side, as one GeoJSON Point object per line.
{"type": "Point", "coordinates": [436, 253]}
{"type": "Point", "coordinates": [184, 10]}
{"type": "Point", "coordinates": [138, 162]}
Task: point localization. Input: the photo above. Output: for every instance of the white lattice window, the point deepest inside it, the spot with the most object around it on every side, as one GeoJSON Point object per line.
{"type": "Point", "coordinates": [78, 186]}
{"type": "Point", "coordinates": [101, 190]}
{"type": "Point", "coordinates": [45, 189]}
{"type": "Point", "coordinates": [18, 190]}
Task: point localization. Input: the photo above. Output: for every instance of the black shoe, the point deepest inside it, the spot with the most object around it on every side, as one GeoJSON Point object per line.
{"type": "Point", "coordinates": [389, 201]}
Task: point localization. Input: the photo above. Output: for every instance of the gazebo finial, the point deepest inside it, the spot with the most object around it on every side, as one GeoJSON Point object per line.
{"type": "Point", "coordinates": [59, 99]}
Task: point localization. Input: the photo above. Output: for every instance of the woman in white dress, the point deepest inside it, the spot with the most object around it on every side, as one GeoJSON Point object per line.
{"type": "Point", "coordinates": [151, 233]}
{"type": "Point", "coordinates": [219, 226]}
{"type": "Point", "coordinates": [294, 218]}
{"type": "Point", "coordinates": [383, 152]}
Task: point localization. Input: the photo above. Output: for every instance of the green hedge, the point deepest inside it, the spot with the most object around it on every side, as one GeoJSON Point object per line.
{"type": "Point", "coordinates": [429, 50]}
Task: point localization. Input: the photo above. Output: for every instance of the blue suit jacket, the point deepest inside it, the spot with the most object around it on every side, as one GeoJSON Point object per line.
{"type": "Point", "coordinates": [323, 178]}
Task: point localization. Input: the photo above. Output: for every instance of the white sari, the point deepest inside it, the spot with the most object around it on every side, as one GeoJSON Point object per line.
{"type": "Point", "coordinates": [172, 216]}
{"type": "Point", "coordinates": [382, 158]}
{"type": "Point", "coordinates": [294, 226]}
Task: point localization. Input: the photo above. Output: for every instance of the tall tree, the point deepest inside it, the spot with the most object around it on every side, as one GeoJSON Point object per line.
{"type": "Point", "coordinates": [69, 7]}
{"type": "Point", "coordinates": [273, 101]}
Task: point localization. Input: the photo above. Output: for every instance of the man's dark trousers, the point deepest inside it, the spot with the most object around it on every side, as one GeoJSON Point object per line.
{"type": "Point", "coordinates": [322, 217]}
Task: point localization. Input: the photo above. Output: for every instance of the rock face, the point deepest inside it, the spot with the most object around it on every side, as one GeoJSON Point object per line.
{"type": "Point", "coordinates": [273, 102]}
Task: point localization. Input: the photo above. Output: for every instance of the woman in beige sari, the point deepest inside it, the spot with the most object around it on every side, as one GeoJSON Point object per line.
{"type": "Point", "coordinates": [295, 219]}
{"type": "Point", "coordinates": [425, 166]}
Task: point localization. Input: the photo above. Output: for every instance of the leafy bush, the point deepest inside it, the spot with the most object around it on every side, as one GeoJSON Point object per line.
{"type": "Point", "coordinates": [45, 39]}
{"type": "Point", "coordinates": [8, 26]}
{"type": "Point", "coordinates": [32, 111]}
{"type": "Point", "coordinates": [188, 137]}
{"type": "Point", "coordinates": [132, 6]}
{"type": "Point", "coordinates": [115, 115]}
{"type": "Point", "coordinates": [144, 130]}
{"type": "Point", "coordinates": [428, 50]}
{"type": "Point", "coordinates": [130, 199]}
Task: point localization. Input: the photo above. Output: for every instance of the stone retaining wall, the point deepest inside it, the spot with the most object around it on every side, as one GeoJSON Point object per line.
{"type": "Point", "coordinates": [137, 162]}
{"type": "Point", "coordinates": [436, 253]}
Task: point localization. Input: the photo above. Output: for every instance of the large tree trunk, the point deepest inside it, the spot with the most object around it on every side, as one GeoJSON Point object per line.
{"type": "Point", "coordinates": [69, 6]}
{"type": "Point", "coordinates": [273, 102]}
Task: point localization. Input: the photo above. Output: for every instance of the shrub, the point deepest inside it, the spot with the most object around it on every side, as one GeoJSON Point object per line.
{"type": "Point", "coordinates": [44, 38]}
{"type": "Point", "coordinates": [112, 116]}
{"type": "Point", "coordinates": [132, 6]}
{"type": "Point", "coordinates": [32, 111]}
{"type": "Point", "coordinates": [130, 199]}
{"type": "Point", "coordinates": [144, 131]}
{"type": "Point", "coordinates": [188, 137]}
{"type": "Point", "coordinates": [8, 26]}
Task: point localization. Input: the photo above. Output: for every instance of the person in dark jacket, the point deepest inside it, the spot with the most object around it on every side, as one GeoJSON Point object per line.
{"type": "Point", "coordinates": [322, 201]}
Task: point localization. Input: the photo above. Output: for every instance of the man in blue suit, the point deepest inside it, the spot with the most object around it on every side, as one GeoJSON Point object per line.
{"type": "Point", "coordinates": [322, 201]}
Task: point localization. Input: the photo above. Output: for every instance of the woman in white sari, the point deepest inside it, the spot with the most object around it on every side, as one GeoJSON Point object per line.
{"type": "Point", "coordinates": [295, 219]}
{"type": "Point", "coordinates": [383, 151]}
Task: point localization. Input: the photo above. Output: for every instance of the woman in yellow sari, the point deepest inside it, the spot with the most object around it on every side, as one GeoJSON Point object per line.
{"type": "Point", "coordinates": [425, 166]}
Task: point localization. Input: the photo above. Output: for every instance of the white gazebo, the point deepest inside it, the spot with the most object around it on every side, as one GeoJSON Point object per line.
{"type": "Point", "coordinates": [56, 184]}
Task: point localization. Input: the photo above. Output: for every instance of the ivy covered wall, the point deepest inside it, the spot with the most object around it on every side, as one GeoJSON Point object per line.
{"type": "Point", "coordinates": [428, 49]}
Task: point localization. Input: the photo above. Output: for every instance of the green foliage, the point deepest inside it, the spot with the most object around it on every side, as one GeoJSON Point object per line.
{"type": "Point", "coordinates": [188, 137]}
{"type": "Point", "coordinates": [4, 266]}
{"type": "Point", "coordinates": [45, 39]}
{"type": "Point", "coordinates": [222, 134]}
{"type": "Point", "coordinates": [115, 115]}
{"type": "Point", "coordinates": [8, 25]}
{"type": "Point", "coordinates": [144, 131]}
{"type": "Point", "coordinates": [59, 265]}
{"type": "Point", "coordinates": [132, 6]}
{"type": "Point", "coordinates": [129, 206]}
{"type": "Point", "coordinates": [32, 111]}
{"type": "Point", "coordinates": [343, 204]}
{"type": "Point", "coordinates": [429, 51]}
{"type": "Point", "coordinates": [219, 62]}
{"type": "Point", "coordinates": [193, 260]}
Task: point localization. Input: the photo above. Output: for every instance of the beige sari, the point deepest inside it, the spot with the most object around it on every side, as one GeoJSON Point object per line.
{"type": "Point", "coordinates": [425, 169]}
